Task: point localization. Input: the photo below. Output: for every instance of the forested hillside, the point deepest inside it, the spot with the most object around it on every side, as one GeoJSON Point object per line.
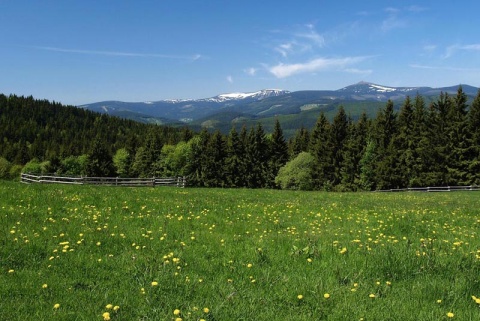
{"type": "Point", "coordinates": [420, 145]}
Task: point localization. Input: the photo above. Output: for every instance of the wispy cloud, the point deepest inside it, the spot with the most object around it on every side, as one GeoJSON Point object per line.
{"type": "Point", "coordinates": [392, 21]}
{"type": "Point", "coordinates": [451, 50]}
{"type": "Point", "coordinates": [448, 68]}
{"type": "Point", "coordinates": [119, 53]}
{"type": "Point", "coordinates": [300, 41]}
{"type": "Point", "coordinates": [251, 71]}
{"type": "Point", "coordinates": [230, 79]}
{"type": "Point", "coordinates": [282, 70]}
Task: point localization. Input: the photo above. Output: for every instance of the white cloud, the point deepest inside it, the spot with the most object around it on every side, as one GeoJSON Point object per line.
{"type": "Point", "coordinates": [230, 79]}
{"type": "Point", "coordinates": [312, 36]}
{"type": "Point", "coordinates": [443, 68]}
{"type": "Point", "coordinates": [300, 41]}
{"type": "Point", "coordinates": [119, 53]}
{"type": "Point", "coordinates": [251, 71]}
{"type": "Point", "coordinates": [286, 70]}
{"type": "Point", "coordinates": [451, 50]}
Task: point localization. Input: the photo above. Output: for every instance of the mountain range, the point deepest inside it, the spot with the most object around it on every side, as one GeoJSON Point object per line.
{"type": "Point", "coordinates": [294, 109]}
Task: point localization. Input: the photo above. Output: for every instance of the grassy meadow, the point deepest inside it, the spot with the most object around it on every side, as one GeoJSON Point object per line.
{"type": "Point", "coordinates": [112, 253]}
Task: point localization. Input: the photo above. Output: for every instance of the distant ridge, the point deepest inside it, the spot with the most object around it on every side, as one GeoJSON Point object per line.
{"type": "Point", "coordinates": [227, 109]}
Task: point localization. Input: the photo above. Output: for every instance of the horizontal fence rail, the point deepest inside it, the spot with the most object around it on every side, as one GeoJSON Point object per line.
{"type": "Point", "coordinates": [434, 189]}
{"type": "Point", "coordinates": [110, 181]}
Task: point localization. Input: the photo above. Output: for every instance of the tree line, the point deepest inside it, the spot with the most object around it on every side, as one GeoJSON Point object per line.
{"type": "Point", "coordinates": [416, 146]}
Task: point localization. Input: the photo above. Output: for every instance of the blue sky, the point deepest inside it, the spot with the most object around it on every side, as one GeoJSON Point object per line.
{"type": "Point", "coordinates": [78, 52]}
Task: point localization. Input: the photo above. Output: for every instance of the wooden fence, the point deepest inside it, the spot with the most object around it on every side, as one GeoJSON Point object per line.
{"type": "Point", "coordinates": [110, 181]}
{"type": "Point", "coordinates": [434, 189]}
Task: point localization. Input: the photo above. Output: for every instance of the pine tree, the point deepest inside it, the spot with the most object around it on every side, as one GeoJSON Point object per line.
{"type": "Point", "coordinates": [99, 161]}
{"type": "Point", "coordinates": [421, 146]}
{"type": "Point", "coordinates": [256, 158]}
{"type": "Point", "coordinates": [438, 138]}
{"type": "Point", "coordinates": [214, 166]}
{"type": "Point", "coordinates": [354, 148]}
{"type": "Point", "coordinates": [404, 144]}
{"type": "Point", "coordinates": [235, 162]}
{"type": "Point", "coordinates": [278, 153]}
{"type": "Point", "coordinates": [299, 143]}
{"type": "Point", "coordinates": [339, 134]}
{"type": "Point", "coordinates": [474, 129]}
{"type": "Point", "coordinates": [458, 140]}
{"type": "Point", "coordinates": [384, 133]}
{"type": "Point", "coordinates": [321, 149]}
{"type": "Point", "coordinates": [198, 159]}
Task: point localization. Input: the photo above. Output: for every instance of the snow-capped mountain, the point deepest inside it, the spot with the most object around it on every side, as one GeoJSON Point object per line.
{"type": "Point", "coordinates": [258, 95]}
{"type": "Point", "coordinates": [267, 103]}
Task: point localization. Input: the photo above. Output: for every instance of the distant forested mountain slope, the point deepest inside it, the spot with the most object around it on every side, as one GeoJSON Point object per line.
{"type": "Point", "coordinates": [43, 130]}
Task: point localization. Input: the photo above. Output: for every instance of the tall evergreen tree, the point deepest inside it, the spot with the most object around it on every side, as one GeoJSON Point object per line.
{"type": "Point", "coordinates": [235, 161]}
{"type": "Point", "coordinates": [215, 156]}
{"type": "Point", "coordinates": [99, 161]}
{"type": "Point", "coordinates": [474, 129]}
{"type": "Point", "coordinates": [198, 159]}
{"type": "Point", "coordinates": [438, 137]}
{"type": "Point", "coordinates": [299, 143]}
{"type": "Point", "coordinates": [339, 134]}
{"type": "Point", "coordinates": [257, 155]}
{"type": "Point", "coordinates": [353, 150]}
{"type": "Point", "coordinates": [278, 153]}
{"type": "Point", "coordinates": [404, 144]}
{"type": "Point", "coordinates": [385, 129]}
{"type": "Point", "coordinates": [458, 140]}
{"type": "Point", "coordinates": [321, 149]}
{"type": "Point", "coordinates": [420, 144]}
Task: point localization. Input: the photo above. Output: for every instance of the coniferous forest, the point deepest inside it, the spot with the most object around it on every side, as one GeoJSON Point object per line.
{"type": "Point", "coordinates": [416, 146]}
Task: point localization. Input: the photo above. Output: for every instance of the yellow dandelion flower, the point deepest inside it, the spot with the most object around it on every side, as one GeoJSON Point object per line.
{"type": "Point", "coordinates": [450, 315]}
{"type": "Point", "coordinates": [300, 297]}
{"type": "Point", "coordinates": [343, 250]}
{"type": "Point", "coordinates": [44, 286]}
{"type": "Point", "coordinates": [178, 319]}
{"type": "Point", "coordinates": [249, 265]}
{"type": "Point", "coordinates": [109, 306]}
{"type": "Point", "coordinates": [176, 312]}
{"type": "Point", "coordinates": [206, 310]}
{"type": "Point", "coordinates": [371, 295]}
{"type": "Point", "coordinates": [154, 283]}
{"type": "Point", "coordinates": [106, 316]}
{"type": "Point", "coordinates": [326, 295]}
{"type": "Point", "coordinates": [56, 306]}
{"type": "Point", "coordinates": [439, 301]}
{"type": "Point", "coordinates": [115, 308]}
{"type": "Point", "coordinates": [11, 271]}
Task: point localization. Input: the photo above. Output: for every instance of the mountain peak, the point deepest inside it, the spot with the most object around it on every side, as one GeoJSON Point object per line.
{"type": "Point", "coordinates": [261, 94]}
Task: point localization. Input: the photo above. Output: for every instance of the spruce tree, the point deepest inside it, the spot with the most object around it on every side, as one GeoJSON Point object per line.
{"type": "Point", "coordinates": [404, 144]}
{"type": "Point", "coordinates": [99, 161]}
{"type": "Point", "coordinates": [353, 150]}
{"type": "Point", "coordinates": [257, 156]}
{"type": "Point", "coordinates": [474, 129]}
{"type": "Point", "coordinates": [321, 149]}
{"type": "Point", "coordinates": [458, 146]}
{"type": "Point", "coordinates": [384, 133]}
{"type": "Point", "coordinates": [214, 166]}
{"type": "Point", "coordinates": [299, 143]}
{"type": "Point", "coordinates": [339, 134]}
{"type": "Point", "coordinates": [278, 153]}
{"type": "Point", "coordinates": [235, 160]}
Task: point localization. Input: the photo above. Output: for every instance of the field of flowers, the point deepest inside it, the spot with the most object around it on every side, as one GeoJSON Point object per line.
{"type": "Point", "coordinates": [108, 253]}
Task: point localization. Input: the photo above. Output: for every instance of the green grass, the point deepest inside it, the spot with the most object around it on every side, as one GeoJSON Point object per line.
{"type": "Point", "coordinates": [243, 254]}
